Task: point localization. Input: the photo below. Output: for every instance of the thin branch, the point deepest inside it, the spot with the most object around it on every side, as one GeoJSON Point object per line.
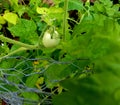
{"type": "Point", "coordinates": [5, 39]}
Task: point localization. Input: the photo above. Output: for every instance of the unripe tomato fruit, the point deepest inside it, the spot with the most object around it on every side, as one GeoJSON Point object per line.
{"type": "Point", "coordinates": [50, 39]}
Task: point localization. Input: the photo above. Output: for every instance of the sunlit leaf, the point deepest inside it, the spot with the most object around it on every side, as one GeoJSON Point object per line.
{"type": "Point", "coordinates": [56, 10]}
{"type": "Point", "coordinates": [11, 17]}
{"type": "Point", "coordinates": [2, 21]}
{"type": "Point", "coordinates": [42, 10]}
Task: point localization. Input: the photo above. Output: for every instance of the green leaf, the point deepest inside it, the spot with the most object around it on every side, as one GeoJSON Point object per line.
{"type": "Point", "coordinates": [51, 15]}
{"type": "Point", "coordinates": [99, 7]}
{"type": "Point", "coordinates": [30, 96]}
{"type": "Point", "coordinates": [58, 72]}
{"type": "Point", "coordinates": [100, 43]}
{"type": "Point", "coordinates": [104, 85]}
{"type": "Point", "coordinates": [56, 10]}
{"type": "Point", "coordinates": [14, 2]}
{"type": "Point", "coordinates": [75, 5]}
{"type": "Point", "coordinates": [35, 2]}
{"type": "Point", "coordinates": [86, 91]}
{"type": "Point", "coordinates": [5, 64]}
{"type": "Point", "coordinates": [42, 10]}
{"type": "Point", "coordinates": [21, 10]}
{"type": "Point", "coordinates": [15, 76]}
{"type": "Point", "coordinates": [10, 17]}
{"type": "Point", "coordinates": [4, 49]}
{"type": "Point", "coordinates": [26, 30]}
{"type": "Point", "coordinates": [0, 26]}
{"type": "Point", "coordinates": [31, 80]}
{"type": "Point", "coordinates": [96, 40]}
{"type": "Point", "coordinates": [107, 3]}
{"type": "Point", "coordinates": [2, 21]}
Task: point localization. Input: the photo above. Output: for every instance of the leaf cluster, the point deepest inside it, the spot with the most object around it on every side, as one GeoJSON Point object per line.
{"type": "Point", "coordinates": [82, 70]}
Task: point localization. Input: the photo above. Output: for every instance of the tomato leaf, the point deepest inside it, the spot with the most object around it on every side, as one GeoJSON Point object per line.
{"type": "Point", "coordinates": [25, 29]}
{"type": "Point", "coordinates": [75, 5]}
{"type": "Point", "coordinates": [10, 17]}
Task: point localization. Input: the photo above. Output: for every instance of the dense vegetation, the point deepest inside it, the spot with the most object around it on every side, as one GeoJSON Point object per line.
{"type": "Point", "coordinates": [60, 52]}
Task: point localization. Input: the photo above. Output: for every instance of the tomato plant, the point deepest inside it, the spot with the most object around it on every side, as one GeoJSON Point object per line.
{"type": "Point", "coordinates": [55, 52]}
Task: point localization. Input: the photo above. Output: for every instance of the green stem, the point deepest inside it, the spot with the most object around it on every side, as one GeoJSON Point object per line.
{"type": "Point", "coordinates": [5, 39]}
{"type": "Point", "coordinates": [73, 20]}
{"type": "Point", "coordinates": [15, 51]}
{"type": "Point", "coordinates": [40, 37]}
{"type": "Point", "coordinates": [65, 19]}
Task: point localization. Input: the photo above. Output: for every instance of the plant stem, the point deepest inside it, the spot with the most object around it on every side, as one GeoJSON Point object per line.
{"type": "Point", "coordinates": [65, 20]}
{"type": "Point", "coordinates": [5, 39]}
{"type": "Point", "coordinates": [40, 37]}
{"type": "Point", "coordinates": [15, 51]}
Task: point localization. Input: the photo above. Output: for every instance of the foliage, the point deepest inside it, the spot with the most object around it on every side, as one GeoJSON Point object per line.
{"type": "Point", "coordinates": [82, 70]}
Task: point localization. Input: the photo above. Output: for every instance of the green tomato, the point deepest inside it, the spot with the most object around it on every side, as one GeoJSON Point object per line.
{"type": "Point", "coordinates": [50, 39]}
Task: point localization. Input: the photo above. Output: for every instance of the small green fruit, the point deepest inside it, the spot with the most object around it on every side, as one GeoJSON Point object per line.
{"type": "Point", "coordinates": [51, 39]}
